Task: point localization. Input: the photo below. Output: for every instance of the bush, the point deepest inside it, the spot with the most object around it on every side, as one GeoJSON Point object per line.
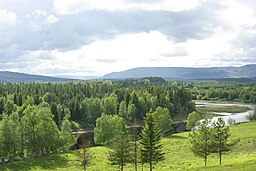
{"type": "Point", "coordinates": [252, 115]}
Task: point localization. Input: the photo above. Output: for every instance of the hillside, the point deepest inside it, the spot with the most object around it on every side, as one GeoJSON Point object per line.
{"type": "Point", "coordinates": [183, 73]}
{"type": "Point", "coordinates": [6, 76]}
{"type": "Point", "coordinates": [177, 154]}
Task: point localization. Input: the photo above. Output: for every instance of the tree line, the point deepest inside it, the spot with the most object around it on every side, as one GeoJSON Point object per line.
{"type": "Point", "coordinates": [220, 90]}
{"type": "Point", "coordinates": [88, 101]}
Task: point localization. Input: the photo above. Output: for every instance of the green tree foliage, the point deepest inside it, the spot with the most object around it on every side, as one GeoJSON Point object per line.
{"type": "Point", "coordinates": [151, 151]}
{"type": "Point", "coordinates": [55, 113]}
{"type": "Point", "coordinates": [50, 97]}
{"type": "Point", "coordinates": [10, 137]}
{"type": "Point", "coordinates": [29, 101]}
{"type": "Point", "coordinates": [123, 111]}
{"type": "Point", "coordinates": [109, 104]}
{"type": "Point", "coordinates": [40, 131]}
{"type": "Point", "coordinates": [201, 141]}
{"type": "Point", "coordinates": [108, 128]}
{"type": "Point", "coordinates": [221, 134]}
{"type": "Point", "coordinates": [132, 112]}
{"type": "Point", "coordinates": [90, 111]}
{"type": "Point", "coordinates": [9, 107]}
{"type": "Point", "coordinates": [192, 119]}
{"type": "Point", "coordinates": [66, 137]}
{"type": "Point", "coordinates": [121, 154]}
{"type": "Point", "coordinates": [163, 119]}
{"type": "Point", "coordinates": [252, 116]}
{"type": "Point", "coordinates": [2, 104]}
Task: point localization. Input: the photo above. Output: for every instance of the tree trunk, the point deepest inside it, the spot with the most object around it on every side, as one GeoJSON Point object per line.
{"type": "Point", "coordinates": [220, 155]}
{"type": "Point", "coordinates": [135, 154]}
{"type": "Point", "coordinates": [150, 166]}
{"type": "Point", "coordinates": [205, 160]}
{"type": "Point", "coordinates": [220, 150]}
{"type": "Point", "coordinates": [84, 160]}
{"type": "Point", "coordinates": [122, 167]}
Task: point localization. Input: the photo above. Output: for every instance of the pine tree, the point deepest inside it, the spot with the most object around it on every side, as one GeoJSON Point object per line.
{"type": "Point", "coordinates": [202, 141]}
{"type": "Point", "coordinates": [151, 151]}
{"type": "Point", "coordinates": [221, 133]}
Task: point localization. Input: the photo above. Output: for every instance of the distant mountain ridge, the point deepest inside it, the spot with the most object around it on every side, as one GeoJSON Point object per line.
{"type": "Point", "coordinates": [186, 73]}
{"type": "Point", "coordinates": [6, 76]}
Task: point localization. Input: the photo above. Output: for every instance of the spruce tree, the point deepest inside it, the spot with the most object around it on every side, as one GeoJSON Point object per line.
{"type": "Point", "coordinates": [151, 148]}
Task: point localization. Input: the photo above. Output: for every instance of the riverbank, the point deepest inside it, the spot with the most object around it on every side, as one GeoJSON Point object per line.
{"type": "Point", "coordinates": [228, 111]}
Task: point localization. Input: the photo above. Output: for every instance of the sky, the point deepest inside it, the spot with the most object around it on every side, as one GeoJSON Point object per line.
{"type": "Point", "coordinates": [80, 38]}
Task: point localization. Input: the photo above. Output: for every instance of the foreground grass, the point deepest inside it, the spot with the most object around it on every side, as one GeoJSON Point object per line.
{"type": "Point", "coordinates": [177, 154]}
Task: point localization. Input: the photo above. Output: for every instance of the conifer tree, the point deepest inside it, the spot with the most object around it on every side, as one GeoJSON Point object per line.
{"type": "Point", "coordinates": [151, 151]}
{"type": "Point", "coordinates": [221, 133]}
{"type": "Point", "coordinates": [202, 141]}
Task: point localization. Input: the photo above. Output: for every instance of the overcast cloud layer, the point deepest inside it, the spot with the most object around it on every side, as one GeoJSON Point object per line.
{"type": "Point", "coordinates": [95, 37]}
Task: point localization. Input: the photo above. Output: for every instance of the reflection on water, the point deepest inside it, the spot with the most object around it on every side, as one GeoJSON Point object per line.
{"type": "Point", "coordinates": [238, 117]}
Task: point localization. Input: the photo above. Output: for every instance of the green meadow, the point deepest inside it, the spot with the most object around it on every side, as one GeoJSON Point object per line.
{"type": "Point", "coordinates": [177, 154]}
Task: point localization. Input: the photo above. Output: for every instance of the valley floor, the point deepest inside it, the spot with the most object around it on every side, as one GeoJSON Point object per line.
{"type": "Point", "coordinates": [177, 154]}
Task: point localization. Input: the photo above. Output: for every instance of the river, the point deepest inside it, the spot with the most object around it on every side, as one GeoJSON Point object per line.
{"type": "Point", "coordinates": [238, 117]}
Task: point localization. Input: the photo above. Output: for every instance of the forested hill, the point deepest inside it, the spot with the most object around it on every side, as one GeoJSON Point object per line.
{"type": "Point", "coordinates": [182, 73]}
{"type": "Point", "coordinates": [6, 76]}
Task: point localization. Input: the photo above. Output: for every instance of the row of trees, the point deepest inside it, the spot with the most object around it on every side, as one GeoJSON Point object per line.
{"type": "Point", "coordinates": [211, 138]}
{"type": "Point", "coordinates": [134, 148]}
{"type": "Point", "coordinates": [109, 127]}
{"type": "Point", "coordinates": [33, 132]}
{"type": "Point", "coordinates": [227, 91]}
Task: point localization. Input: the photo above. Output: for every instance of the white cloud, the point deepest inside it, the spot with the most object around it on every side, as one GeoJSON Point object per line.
{"type": "Point", "coordinates": [51, 19]}
{"type": "Point", "coordinates": [7, 19]}
{"type": "Point", "coordinates": [238, 14]}
{"type": "Point", "coordinates": [137, 50]}
{"type": "Point", "coordinates": [75, 6]}
{"type": "Point", "coordinates": [39, 18]}
{"type": "Point", "coordinates": [112, 35]}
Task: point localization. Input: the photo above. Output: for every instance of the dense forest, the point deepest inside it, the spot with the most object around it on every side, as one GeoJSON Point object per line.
{"type": "Point", "coordinates": [87, 101]}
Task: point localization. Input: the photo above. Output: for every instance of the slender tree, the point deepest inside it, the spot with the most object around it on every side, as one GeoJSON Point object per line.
{"type": "Point", "coordinates": [123, 111]}
{"type": "Point", "coordinates": [221, 133]}
{"type": "Point", "coordinates": [84, 156]}
{"type": "Point", "coordinates": [66, 137]}
{"type": "Point", "coordinates": [135, 139]}
{"type": "Point", "coordinates": [151, 151]}
{"type": "Point", "coordinates": [201, 141]}
{"type": "Point", "coordinates": [122, 151]}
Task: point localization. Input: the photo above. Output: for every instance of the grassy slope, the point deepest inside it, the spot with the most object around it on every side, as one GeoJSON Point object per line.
{"type": "Point", "coordinates": [178, 156]}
